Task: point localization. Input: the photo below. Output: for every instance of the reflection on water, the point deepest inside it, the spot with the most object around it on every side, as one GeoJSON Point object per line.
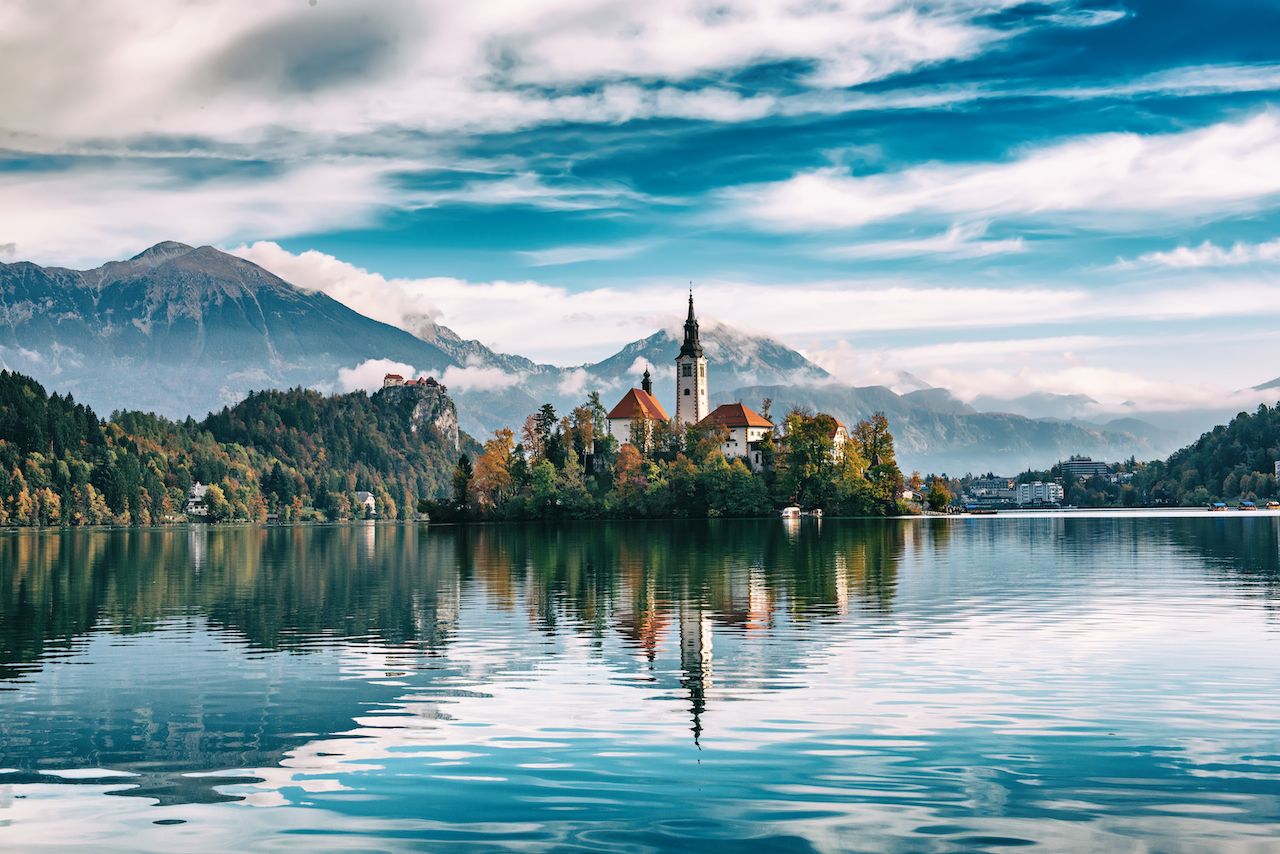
{"type": "Point", "coordinates": [917, 685]}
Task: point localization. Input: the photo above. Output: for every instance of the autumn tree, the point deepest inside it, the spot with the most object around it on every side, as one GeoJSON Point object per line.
{"type": "Point", "coordinates": [491, 478]}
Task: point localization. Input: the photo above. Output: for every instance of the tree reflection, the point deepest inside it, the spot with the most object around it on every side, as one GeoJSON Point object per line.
{"type": "Point", "coordinates": [654, 589]}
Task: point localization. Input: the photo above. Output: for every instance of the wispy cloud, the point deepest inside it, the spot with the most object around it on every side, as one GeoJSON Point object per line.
{"type": "Point", "coordinates": [1208, 255]}
{"type": "Point", "coordinates": [560, 255]}
{"type": "Point", "coordinates": [961, 241]}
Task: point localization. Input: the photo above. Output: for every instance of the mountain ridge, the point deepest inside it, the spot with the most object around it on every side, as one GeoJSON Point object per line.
{"type": "Point", "coordinates": [183, 330]}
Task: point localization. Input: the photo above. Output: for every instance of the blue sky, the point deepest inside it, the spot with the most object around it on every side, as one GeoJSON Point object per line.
{"type": "Point", "coordinates": [999, 197]}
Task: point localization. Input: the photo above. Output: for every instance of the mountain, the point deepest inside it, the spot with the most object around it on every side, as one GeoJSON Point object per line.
{"type": "Point", "coordinates": [181, 330]}
{"type": "Point", "coordinates": [1039, 405]}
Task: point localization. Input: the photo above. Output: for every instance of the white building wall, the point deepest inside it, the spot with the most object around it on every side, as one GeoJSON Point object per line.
{"type": "Point", "coordinates": [1040, 493]}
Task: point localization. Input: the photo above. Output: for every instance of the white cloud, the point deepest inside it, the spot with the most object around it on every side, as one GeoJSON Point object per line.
{"type": "Point", "coordinates": [1106, 178]}
{"type": "Point", "coordinates": [204, 70]}
{"type": "Point", "coordinates": [574, 382]}
{"type": "Point", "coordinates": [639, 366]}
{"type": "Point", "coordinates": [1209, 255]}
{"type": "Point", "coordinates": [553, 323]}
{"type": "Point", "coordinates": [961, 241]}
{"type": "Point", "coordinates": [827, 321]}
{"type": "Point", "coordinates": [1080, 18]}
{"type": "Point", "coordinates": [368, 374]}
{"type": "Point", "coordinates": [88, 215]}
{"type": "Point", "coordinates": [477, 377]}
{"type": "Point", "coordinates": [561, 255]}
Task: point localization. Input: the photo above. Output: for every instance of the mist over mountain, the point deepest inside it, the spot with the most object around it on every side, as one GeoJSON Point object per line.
{"type": "Point", "coordinates": [184, 330]}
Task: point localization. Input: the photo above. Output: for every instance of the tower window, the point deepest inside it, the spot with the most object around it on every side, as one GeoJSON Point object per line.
{"type": "Point", "coordinates": [686, 392]}
{"type": "Point", "coordinates": [688, 370]}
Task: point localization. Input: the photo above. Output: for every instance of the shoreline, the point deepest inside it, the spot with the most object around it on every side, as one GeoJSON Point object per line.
{"type": "Point", "coordinates": [1062, 513]}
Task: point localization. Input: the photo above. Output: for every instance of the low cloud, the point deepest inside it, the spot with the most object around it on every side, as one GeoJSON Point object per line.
{"type": "Point", "coordinates": [477, 377]}
{"type": "Point", "coordinates": [574, 382]}
{"type": "Point", "coordinates": [568, 327]}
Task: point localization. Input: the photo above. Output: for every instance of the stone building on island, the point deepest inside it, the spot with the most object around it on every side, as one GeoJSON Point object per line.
{"type": "Point", "coordinates": [745, 428]}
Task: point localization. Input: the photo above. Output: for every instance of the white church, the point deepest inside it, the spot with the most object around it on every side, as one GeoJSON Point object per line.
{"type": "Point", "coordinates": [745, 427]}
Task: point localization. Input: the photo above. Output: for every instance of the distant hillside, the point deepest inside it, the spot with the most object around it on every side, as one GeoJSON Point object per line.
{"type": "Point", "coordinates": [935, 432]}
{"type": "Point", "coordinates": [298, 453]}
{"type": "Point", "coordinates": [1231, 461]}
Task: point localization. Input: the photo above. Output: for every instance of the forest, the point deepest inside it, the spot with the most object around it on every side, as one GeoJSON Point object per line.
{"type": "Point", "coordinates": [570, 467]}
{"type": "Point", "coordinates": [297, 454]}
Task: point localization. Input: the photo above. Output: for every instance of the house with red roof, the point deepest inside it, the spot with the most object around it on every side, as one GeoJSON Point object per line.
{"type": "Point", "coordinates": [745, 429]}
{"type": "Point", "coordinates": [638, 405]}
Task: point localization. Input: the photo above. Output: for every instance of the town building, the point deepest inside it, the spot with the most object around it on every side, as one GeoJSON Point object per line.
{"type": "Point", "coordinates": [992, 491]}
{"type": "Point", "coordinates": [366, 503]}
{"type": "Point", "coordinates": [195, 505]}
{"type": "Point", "coordinates": [392, 380]}
{"type": "Point", "coordinates": [1040, 493]}
{"type": "Point", "coordinates": [745, 429]}
{"type": "Point", "coordinates": [1081, 468]}
{"type": "Point", "coordinates": [638, 406]}
{"type": "Point", "coordinates": [839, 437]}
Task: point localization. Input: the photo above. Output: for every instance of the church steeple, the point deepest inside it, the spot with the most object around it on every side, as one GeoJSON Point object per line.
{"type": "Point", "coordinates": [646, 384]}
{"type": "Point", "coordinates": [691, 374]}
{"type": "Point", "coordinates": [691, 346]}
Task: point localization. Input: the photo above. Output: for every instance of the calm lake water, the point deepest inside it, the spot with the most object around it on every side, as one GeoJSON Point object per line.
{"type": "Point", "coordinates": [926, 685]}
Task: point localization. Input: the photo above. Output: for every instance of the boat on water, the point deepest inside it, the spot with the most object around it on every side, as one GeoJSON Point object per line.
{"type": "Point", "coordinates": [1273, 505]}
{"type": "Point", "coordinates": [978, 510]}
{"type": "Point", "coordinates": [1217, 507]}
{"type": "Point", "coordinates": [792, 512]}
{"type": "Point", "coordinates": [1247, 505]}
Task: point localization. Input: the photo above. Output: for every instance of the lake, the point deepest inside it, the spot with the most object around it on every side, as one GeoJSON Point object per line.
{"type": "Point", "coordinates": [1101, 683]}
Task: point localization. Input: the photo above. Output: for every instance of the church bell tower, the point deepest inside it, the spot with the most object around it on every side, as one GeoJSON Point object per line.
{"type": "Point", "coordinates": [691, 374]}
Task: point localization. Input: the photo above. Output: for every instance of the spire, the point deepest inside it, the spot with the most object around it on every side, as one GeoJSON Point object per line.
{"type": "Point", "coordinates": [646, 384]}
{"type": "Point", "coordinates": [691, 345]}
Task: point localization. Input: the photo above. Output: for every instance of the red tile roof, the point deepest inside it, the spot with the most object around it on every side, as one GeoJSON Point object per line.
{"type": "Point", "coordinates": [638, 403]}
{"type": "Point", "coordinates": [393, 377]}
{"type": "Point", "coordinates": [735, 415]}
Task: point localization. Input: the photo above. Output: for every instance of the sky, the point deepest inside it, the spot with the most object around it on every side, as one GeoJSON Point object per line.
{"type": "Point", "coordinates": [1001, 198]}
